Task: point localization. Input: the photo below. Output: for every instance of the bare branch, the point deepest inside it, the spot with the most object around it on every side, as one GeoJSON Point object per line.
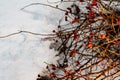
{"type": "Point", "coordinates": [53, 35]}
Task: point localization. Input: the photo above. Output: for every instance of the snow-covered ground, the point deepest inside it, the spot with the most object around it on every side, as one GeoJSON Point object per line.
{"type": "Point", "coordinates": [22, 56]}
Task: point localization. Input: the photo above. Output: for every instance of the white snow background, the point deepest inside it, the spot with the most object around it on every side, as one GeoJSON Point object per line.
{"type": "Point", "coordinates": [22, 56]}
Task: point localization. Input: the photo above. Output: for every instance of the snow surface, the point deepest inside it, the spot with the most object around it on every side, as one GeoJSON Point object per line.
{"type": "Point", "coordinates": [22, 56]}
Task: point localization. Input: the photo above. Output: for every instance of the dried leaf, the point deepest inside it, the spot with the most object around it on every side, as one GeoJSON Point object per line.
{"type": "Point", "coordinates": [73, 53]}
{"type": "Point", "coordinates": [89, 45]}
{"type": "Point", "coordinates": [102, 36]}
{"type": "Point", "coordinates": [75, 37]}
{"type": "Point", "coordinates": [75, 20]}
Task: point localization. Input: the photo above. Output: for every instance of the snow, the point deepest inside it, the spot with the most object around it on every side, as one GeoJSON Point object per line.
{"type": "Point", "coordinates": [22, 56]}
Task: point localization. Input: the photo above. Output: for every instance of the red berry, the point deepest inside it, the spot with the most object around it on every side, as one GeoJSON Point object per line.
{"type": "Point", "coordinates": [47, 67]}
{"type": "Point", "coordinates": [66, 18]}
{"type": "Point", "coordinates": [52, 74]}
{"type": "Point", "coordinates": [66, 13]}
{"type": "Point", "coordinates": [38, 75]}
{"type": "Point", "coordinates": [91, 14]}
{"type": "Point", "coordinates": [56, 41]}
{"type": "Point", "coordinates": [53, 66]}
{"type": "Point", "coordinates": [65, 72]}
{"type": "Point", "coordinates": [70, 10]}
{"type": "Point", "coordinates": [54, 31]}
{"type": "Point", "coordinates": [90, 38]}
{"type": "Point", "coordinates": [77, 8]}
{"type": "Point", "coordinates": [81, 0]}
{"type": "Point", "coordinates": [77, 62]}
{"type": "Point", "coordinates": [59, 26]}
{"type": "Point", "coordinates": [89, 8]}
{"type": "Point", "coordinates": [94, 3]}
{"type": "Point", "coordinates": [102, 36]}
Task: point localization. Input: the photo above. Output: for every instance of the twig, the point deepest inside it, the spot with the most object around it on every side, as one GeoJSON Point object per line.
{"type": "Point", "coordinates": [28, 33]}
{"type": "Point", "coordinates": [43, 5]}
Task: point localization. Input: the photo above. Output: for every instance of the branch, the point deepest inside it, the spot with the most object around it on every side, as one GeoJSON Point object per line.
{"type": "Point", "coordinates": [43, 5]}
{"type": "Point", "coordinates": [28, 33]}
